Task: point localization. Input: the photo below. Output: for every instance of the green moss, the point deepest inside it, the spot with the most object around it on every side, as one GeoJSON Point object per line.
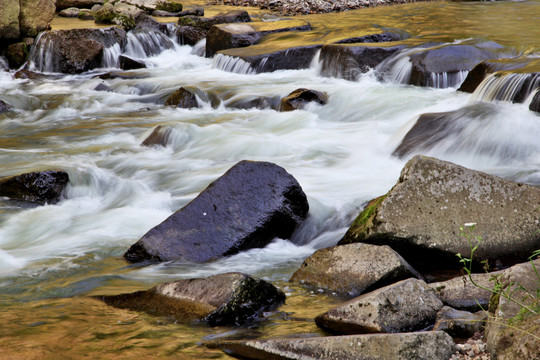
{"type": "Point", "coordinates": [105, 16]}
{"type": "Point", "coordinates": [187, 21]}
{"type": "Point", "coordinates": [169, 6]}
{"type": "Point", "coordinates": [358, 229]}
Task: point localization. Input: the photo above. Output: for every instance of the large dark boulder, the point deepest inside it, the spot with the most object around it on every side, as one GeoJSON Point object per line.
{"type": "Point", "coordinates": [225, 299]}
{"type": "Point", "coordinates": [350, 270]}
{"type": "Point", "coordinates": [299, 98]}
{"type": "Point", "coordinates": [247, 207]}
{"type": "Point", "coordinates": [351, 60]}
{"type": "Point", "coordinates": [74, 51]}
{"type": "Point", "coordinates": [408, 305]}
{"type": "Point", "coordinates": [40, 187]}
{"type": "Point", "coordinates": [433, 345]}
{"type": "Point", "coordinates": [421, 216]}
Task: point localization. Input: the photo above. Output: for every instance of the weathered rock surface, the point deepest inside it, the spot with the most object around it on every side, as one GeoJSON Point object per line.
{"type": "Point", "coordinates": [127, 63]}
{"type": "Point", "coordinates": [227, 36]}
{"type": "Point", "coordinates": [519, 341]}
{"type": "Point", "coordinates": [40, 187]}
{"type": "Point", "coordinates": [460, 292]}
{"type": "Point", "coordinates": [224, 299]}
{"type": "Point", "coordinates": [64, 4]}
{"type": "Point", "coordinates": [9, 21]}
{"type": "Point", "coordinates": [77, 50]}
{"type": "Point", "coordinates": [350, 61]}
{"type": "Point", "coordinates": [435, 345]}
{"type": "Point", "coordinates": [35, 16]}
{"type": "Point", "coordinates": [458, 323]}
{"type": "Point", "coordinates": [17, 54]}
{"type": "Point", "coordinates": [421, 216]}
{"type": "Point", "coordinates": [71, 12]}
{"type": "Point", "coordinates": [159, 137]}
{"type": "Point", "coordinates": [352, 269]}
{"type": "Point", "coordinates": [405, 306]}
{"type": "Point", "coordinates": [182, 98]}
{"type": "Point", "coordinates": [189, 35]}
{"type": "Point", "coordinates": [120, 14]}
{"type": "Point", "coordinates": [247, 207]}
{"type": "Point", "coordinates": [299, 98]}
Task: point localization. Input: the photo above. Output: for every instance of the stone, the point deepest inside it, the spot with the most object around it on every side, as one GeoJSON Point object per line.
{"type": "Point", "coordinates": [518, 341]}
{"type": "Point", "coordinates": [4, 106]}
{"type": "Point", "coordinates": [116, 15]}
{"type": "Point", "coordinates": [247, 207]}
{"type": "Point", "coordinates": [127, 63]}
{"type": "Point", "coordinates": [421, 216]}
{"type": "Point", "coordinates": [374, 38]}
{"type": "Point", "coordinates": [350, 270]}
{"type": "Point", "coordinates": [17, 54]}
{"type": "Point", "coordinates": [350, 61]}
{"type": "Point", "coordinates": [197, 11]}
{"type": "Point", "coordinates": [535, 102]}
{"type": "Point", "coordinates": [159, 137]}
{"type": "Point", "coordinates": [9, 21]}
{"type": "Point", "coordinates": [86, 14]}
{"type": "Point", "coordinates": [227, 36]}
{"type": "Point", "coordinates": [224, 299]}
{"type": "Point", "coordinates": [71, 12]}
{"type": "Point", "coordinates": [127, 9]}
{"type": "Point", "coordinates": [458, 323]}
{"type": "Point", "coordinates": [143, 21]}
{"type": "Point", "coordinates": [189, 35]}
{"type": "Point", "coordinates": [88, 4]}
{"type": "Point", "coordinates": [435, 345]}
{"type": "Point", "coordinates": [40, 187]}
{"type": "Point", "coordinates": [182, 98]}
{"type": "Point", "coordinates": [408, 305]}
{"type": "Point", "coordinates": [236, 16]}
{"type": "Point", "coordinates": [264, 102]}
{"type": "Point", "coordinates": [299, 98]}
{"type": "Point", "coordinates": [36, 16]}
{"type": "Point", "coordinates": [461, 293]}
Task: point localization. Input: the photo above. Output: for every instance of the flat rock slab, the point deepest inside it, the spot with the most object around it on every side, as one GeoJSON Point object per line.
{"type": "Point", "coordinates": [352, 269]}
{"type": "Point", "coordinates": [436, 345]}
{"type": "Point", "coordinates": [224, 299]}
{"type": "Point", "coordinates": [40, 187]}
{"type": "Point", "coordinates": [408, 305]}
{"type": "Point", "coordinates": [247, 207]}
{"type": "Point", "coordinates": [421, 216]}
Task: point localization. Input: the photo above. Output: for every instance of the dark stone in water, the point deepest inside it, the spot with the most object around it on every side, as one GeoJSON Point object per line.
{"type": "Point", "coordinates": [40, 187]}
{"type": "Point", "coordinates": [143, 21]}
{"type": "Point", "coordinates": [535, 103]}
{"type": "Point", "coordinates": [245, 208]}
{"type": "Point", "coordinates": [374, 38]}
{"type": "Point", "coordinates": [64, 4]}
{"type": "Point", "coordinates": [224, 299]}
{"type": "Point", "coordinates": [103, 87]}
{"type": "Point", "coordinates": [27, 74]}
{"type": "Point", "coordinates": [159, 137]}
{"type": "Point", "coordinates": [4, 106]}
{"type": "Point", "coordinates": [189, 35]}
{"type": "Point", "coordinates": [259, 103]}
{"type": "Point", "coordinates": [127, 63]}
{"type": "Point", "coordinates": [299, 98]}
{"type": "Point", "coordinates": [182, 98]}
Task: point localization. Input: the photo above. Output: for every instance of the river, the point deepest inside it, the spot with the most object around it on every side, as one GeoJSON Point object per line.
{"type": "Point", "coordinates": [53, 257]}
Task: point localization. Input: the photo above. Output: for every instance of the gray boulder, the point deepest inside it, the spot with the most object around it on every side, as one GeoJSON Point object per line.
{"type": "Point", "coordinates": [421, 216]}
{"type": "Point", "coordinates": [458, 323]}
{"type": "Point", "coordinates": [71, 12]}
{"type": "Point", "coordinates": [40, 187]}
{"type": "Point", "coordinates": [408, 305]}
{"type": "Point", "coordinates": [352, 269]}
{"type": "Point", "coordinates": [36, 16]}
{"type": "Point", "coordinates": [247, 207]}
{"type": "Point", "coordinates": [435, 345]}
{"type": "Point", "coordinates": [9, 21]}
{"type": "Point", "coordinates": [225, 299]}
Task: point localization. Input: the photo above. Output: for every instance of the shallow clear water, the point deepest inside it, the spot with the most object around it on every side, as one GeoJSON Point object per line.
{"type": "Point", "coordinates": [52, 257]}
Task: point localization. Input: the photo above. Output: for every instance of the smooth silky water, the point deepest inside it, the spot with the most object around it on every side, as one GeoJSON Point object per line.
{"type": "Point", "coordinates": [53, 257]}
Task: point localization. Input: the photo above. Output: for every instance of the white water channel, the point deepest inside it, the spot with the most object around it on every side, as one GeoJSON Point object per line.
{"type": "Point", "coordinates": [340, 153]}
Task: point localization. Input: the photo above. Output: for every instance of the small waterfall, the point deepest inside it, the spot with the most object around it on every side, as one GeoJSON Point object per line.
{"type": "Point", "coordinates": [42, 57]}
{"type": "Point", "coordinates": [338, 62]}
{"type": "Point", "coordinates": [110, 56]}
{"type": "Point", "coordinates": [512, 87]}
{"type": "Point", "coordinates": [199, 48]}
{"type": "Point", "coordinates": [398, 69]}
{"type": "Point", "coordinates": [142, 43]}
{"type": "Point", "coordinates": [3, 63]}
{"type": "Point", "coordinates": [232, 64]}
{"type": "Point", "coordinates": [445, 80]}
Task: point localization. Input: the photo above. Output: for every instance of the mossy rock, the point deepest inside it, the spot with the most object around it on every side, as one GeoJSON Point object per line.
{"type": "Point", "coordinates": [169, 7]}
{"type": "Point", "coordinates": [358, 229]}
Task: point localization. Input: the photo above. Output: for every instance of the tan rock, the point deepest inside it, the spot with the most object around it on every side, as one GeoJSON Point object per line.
{"type": "Point", "coordinates": [36, 16]}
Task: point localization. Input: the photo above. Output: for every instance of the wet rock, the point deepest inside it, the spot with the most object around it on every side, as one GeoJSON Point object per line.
{"type": "Point", "coordinates": [421, 216]}
{"type": "Point", "coordinates": [159, 137]}
{"type": "Point", "coordinates": [35, 16]}
{"type": "Point", "coordinates": [40, 187]}
{"type": "Point", "coordinates": [86, 14]}
{"type": "Point", "coordinates": [299, 98]}
{"type": "Point", "coordinates": [461, 293]}
{"type": "Point", "coordinates": [116, 15]}
{"type": "Point", "coordinates": [127, 63]}
{"type": "Point", "coordinates": [103, 87]}
{"type": "Point", "coordinates": [435, 345]}
{"type": "Point", "coordinates": [182, 98]}
{"type": "Point", "coordinates": [17, 54]}
{"type": "Point", "coordinates": [349, 61]}
{"type": "Point", "coordinates": [189, 35]}
{"type": "Point", "coordinates": [245, 208]}
{"type": "Point", "coordinates": [4, 106]}
{"type": "Point", "coordinates": [512, 333]}
{"type": "Point", "coordinates": [9, 21]}
{"type": "Point", "coordinates": [535, 103]}
{"type": "Point", "coordinates": [352, 269]}
{"type": "Point", "coordinates": [224, 299]}
{"type": "Point", "coordinates": [143, 21]}
{"type": "Point", "coordinates": [64, 4]}
{"type": "Point", "coordinates": [408, 305]}
{"type": "Point", "coordinates": [373, 38]}
{"type": "Point", "coordinates": [126, 9]}
{"type": "Point", "coordinates": [458, 323]}
{"type": "Point", "coordinates": [227, 36]}
{"type": "Point", "coordinates": [198, 11]}
{"type": "Point", "coordinates": [260, 59]}
{"type": "Point", "coordinates": [264, 102]}
{"type": "Point", "coordinates": [71, 12]}
{"type": "Point", "coordinates": [77, 50]}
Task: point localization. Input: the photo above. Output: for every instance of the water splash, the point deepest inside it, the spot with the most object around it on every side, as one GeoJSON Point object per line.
{"type": "Point", "coordinates": [512, 87]}
{"type": "Point", "coordinates": [232, 64]}
{"type": "Point", "coordinates": [111, 56]}
{"type": "Point", "coordinates": [142, 43]}
{"type": "Point", "coordinates": [445, 80]}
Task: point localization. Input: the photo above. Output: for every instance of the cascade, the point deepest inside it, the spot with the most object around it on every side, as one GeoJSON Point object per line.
{"type": "Point", "coordinates": [142, 43]}
{"type": "Point", "coordinates": [233, 64]}
{"type": "Point", "coordinates": [514, 87]}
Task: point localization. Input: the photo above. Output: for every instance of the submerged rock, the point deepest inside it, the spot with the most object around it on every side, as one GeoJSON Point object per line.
{"type": "Point", "coordinates": [159, 137]}
{"type": "Point", "coordinates": [408, 305]}
{"type": "Point", "coordinates": [458, 323]}
{"type": "Point", "coordinates": [299, 98]}
{"type": "Point", "coordinates": [245, 208]}
{"type": "Point", "coordinates": [4, 106]}
{"type": "Point", "coordinates": [40, 187]}
{"type": "Point", "coordinates": [353, 269]}
{"type": "Point", "coordinates": [182, 98]}
{"type": "Point", "coordinates": [435, 345]}
{"type": "Point", "coordinates": [421, 216]}
{"type": "Point", "coordinates": [225, 299]}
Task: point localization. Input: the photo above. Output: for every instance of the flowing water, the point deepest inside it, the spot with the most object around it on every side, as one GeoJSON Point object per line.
{"type": "Point", "coordinates": [53, 257]}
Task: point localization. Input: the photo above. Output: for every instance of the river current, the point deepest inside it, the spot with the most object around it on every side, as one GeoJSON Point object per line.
{"type": "Point", "coordinates": [52, 257]}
